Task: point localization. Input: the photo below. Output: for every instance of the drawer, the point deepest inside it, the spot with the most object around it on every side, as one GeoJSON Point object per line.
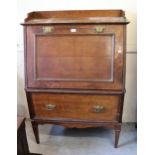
{"type": "Point", "coordinates": [75, 57]}
{"type": "Point", "coordinates": [74, 106]}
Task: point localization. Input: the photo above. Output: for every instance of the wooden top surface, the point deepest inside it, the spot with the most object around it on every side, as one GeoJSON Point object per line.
{"type": "Point", "coordinates": [78, 16]}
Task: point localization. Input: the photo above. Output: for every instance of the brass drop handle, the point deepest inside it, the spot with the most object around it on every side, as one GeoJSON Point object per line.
{"type": "Point", "coordinates": [99, 29]}
{"type": "Point", "coordinates": [98, 108]}
{"type": "Point", "coordinates": [50, 106]}
{"type": "Point", "coordinates": [48, 29]}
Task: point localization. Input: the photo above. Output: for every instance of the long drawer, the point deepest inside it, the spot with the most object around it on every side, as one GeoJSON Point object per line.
{"type": "Point", "coordinates": [76, 106]}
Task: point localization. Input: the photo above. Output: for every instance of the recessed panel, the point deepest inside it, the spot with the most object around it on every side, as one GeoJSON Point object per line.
{"type": "Point", "coordinates": [74, 57]}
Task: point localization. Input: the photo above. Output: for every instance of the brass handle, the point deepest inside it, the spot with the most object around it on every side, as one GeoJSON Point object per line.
{"type": "Point", "coordinates": [98, 108]}
{"type": "Point", "coordinates": [99, 29]}
{"type": "Point", "coordinates": [48, 29]}
{"type": "Point", "coordinates": [50, 106]}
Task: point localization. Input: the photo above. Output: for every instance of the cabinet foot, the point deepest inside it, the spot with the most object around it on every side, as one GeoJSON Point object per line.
{"type": "Point", "coordinates": [117, 134]}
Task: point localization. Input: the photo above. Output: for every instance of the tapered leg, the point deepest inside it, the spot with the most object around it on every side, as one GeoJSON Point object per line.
{"type": "Point", "coordinates": [117, 134]}
{"type": "Point", "coordinates": [36, 131]}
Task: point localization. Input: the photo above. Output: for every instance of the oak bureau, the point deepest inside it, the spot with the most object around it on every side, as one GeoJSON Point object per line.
{"type": "Point", "coordinates": [75, 68]}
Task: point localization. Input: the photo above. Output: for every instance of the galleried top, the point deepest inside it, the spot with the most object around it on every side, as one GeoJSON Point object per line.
{"type": "Point", "coordinates": [78, 16]}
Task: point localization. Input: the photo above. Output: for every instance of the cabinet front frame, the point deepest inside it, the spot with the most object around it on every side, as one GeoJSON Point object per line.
{"type": "Point", "coordinates": [116, 31]}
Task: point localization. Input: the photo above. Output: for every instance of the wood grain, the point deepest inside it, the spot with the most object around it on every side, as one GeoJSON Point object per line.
{"type": "Point", "coordinates": [76, 106]}
{"type": "Point", "coordinates": [76, 16]}
{"type": "Point", "coordinates": [71, 69]}
{"type": "Point", "coordinates": [80, 60]}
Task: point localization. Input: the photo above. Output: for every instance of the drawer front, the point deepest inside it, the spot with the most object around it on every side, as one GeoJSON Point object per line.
{"type": "Point", "coordinates": [75, 56]}
{"type": "Point", "coordinates": [83, 107]}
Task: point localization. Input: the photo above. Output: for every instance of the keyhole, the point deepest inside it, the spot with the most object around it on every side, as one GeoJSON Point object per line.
{"type": "Point", "coordinates": [73, 30]}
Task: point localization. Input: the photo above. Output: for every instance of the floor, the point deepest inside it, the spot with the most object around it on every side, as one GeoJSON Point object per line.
{"type": "Point", "coordinates": [56, 140]}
